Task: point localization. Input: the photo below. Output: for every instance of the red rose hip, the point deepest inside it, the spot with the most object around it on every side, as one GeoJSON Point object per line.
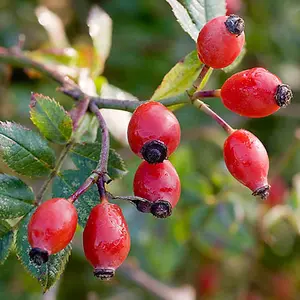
{"type": "Point", "coordinates": [51, 228]}
{"type": "Point", "coordinates": [233, 6]}
{"type": "Point", "coordinates": [159, 184]}
{"type": "Point", "coordinates": [106, 240]}
{"type": "Point", "coordinates": [255, 93]}
{"type": "Point", "coordinates": [247, 160]}
{"type": "Point", "coordinates": [221, 40]}
{"type": "Point", "coordinates": [153, 132]}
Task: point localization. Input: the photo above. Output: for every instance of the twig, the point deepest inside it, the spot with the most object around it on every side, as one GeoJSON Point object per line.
{"type": "Point", "coordinates": [100, 173]}
{"type": "Point", "coordinates": [54, 172]}
{"type": "Point", "coordinates": [207, 94]}
{"type": "Point", "coordinates": [71, 89]}
{"type": "Point", "coordinates": [142, 204]}
{"type": "Point", "coordinates": [103, 161]}
{"type": "Point", "coordinates": [202, 106]}
{"type": "Point", "coordinates": [79, 111]}
{"type": "Point", "coordinates": [84, 187]}
{"type": "Point", "coordinates": [155, 287]}
{"type": "Point", "coordinates": [101, 188]}
{"type": "Point", "coordinates": [198, 80]}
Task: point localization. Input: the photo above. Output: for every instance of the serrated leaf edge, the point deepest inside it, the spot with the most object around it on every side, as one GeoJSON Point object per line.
{"type": "Point", "coordinates": [32, 104]}
{"type": "Point", "coordinates": [12, 244]}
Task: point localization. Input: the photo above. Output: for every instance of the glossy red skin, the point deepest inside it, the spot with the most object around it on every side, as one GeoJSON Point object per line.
{"type": "Point", "coordinates": [278, 192]}
{"type": "Point", "coordinates": [246, 159]}
{"type": "Point", "coordinates": [106, 239]}
{"type": "Point", "coordinates": [153, 121]}
{"type": "Point", "coordinates": [53, 225]}
{"type": "Point", "coordinates": [233, 6]}
{"type": "Point", "coordinates": [251, 93]}
{"type": "Point", "coordinates": [216, 46]}
{"type": "Point", "coordinates": [157, 182]}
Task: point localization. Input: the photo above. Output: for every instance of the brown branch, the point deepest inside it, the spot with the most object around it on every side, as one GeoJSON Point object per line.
{"type": "Point", "coordinates": [70, 88]}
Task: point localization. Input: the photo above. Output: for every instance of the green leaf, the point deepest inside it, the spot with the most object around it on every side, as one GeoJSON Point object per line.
{"type": "Point", "coordinates": [48, 273]}
{"type": "Point", "coordinates": [25, 151]}
{"type": "Point", "coordinates": [179, 78]}
{"type": "Point", "coordinates": [193, 14]}
{"type": "Point", "coordinates": [184, 19]}
{"type": "Point", "coordinates": [86, 157]}
{"type": "Point", "coordinates": [100, 30]}
{"type": "Point", "coordinates": [6, 240]}
{"type": "Point", "coordinates": [67, 183]}
{"type": "Point", "coordinates": [51, 119]}
{"type": "Point", "coordinates": [16, 198]}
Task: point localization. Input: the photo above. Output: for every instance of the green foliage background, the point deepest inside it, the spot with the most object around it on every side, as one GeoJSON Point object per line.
{"type": "Point", "coordinates": [215, 219]}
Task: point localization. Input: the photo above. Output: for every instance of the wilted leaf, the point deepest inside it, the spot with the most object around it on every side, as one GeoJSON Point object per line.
{"type": "Point", "coordinates": [54, 27]}
{"type": "Point", "coordinates": [179, 78]}
{"type": "Point", "coordinates": [86, 157]}
{"type": "Point", "coordinates": [100, 30]}
{"type": "Point", "coordinates": [6, 240]}
{"type": "Point", "coordinates": [67, 183]}
{"type": "Point", "coordinates": [16, 198]}
{"type": "Point", "coordinates": [51, 119]}
{"type": "Point", "coordinates": [25, 151]}
{"type": "Point", "coordinates": [48, 273]}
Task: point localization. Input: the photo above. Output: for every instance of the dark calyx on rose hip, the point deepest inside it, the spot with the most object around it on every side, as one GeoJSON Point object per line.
{"type": "Point", "coordinates": [38, 256]}
{"type": "Point", "coordinates": [283, 95]}
{"type": "Point", "coordinates": [51, 228]}
{"type": "Point", "coordinates": [106, 239]}
{"type": "Point", "coordinates": [247, 160]}
{"type": "Point", "coordinates": [255, 93]}
{"type": "Point", "coordinates": [159, 184]}
{"type": "Point", "coordinates": [220, 41]}
{"type": "Point", "coordinates": [154, 152]}
{"type": "Point", "coordinates": [160, 208]}
{"type": "Point", "coordinates": [235, 25]}
{"type": "Point", "coordinates": [153, 132]}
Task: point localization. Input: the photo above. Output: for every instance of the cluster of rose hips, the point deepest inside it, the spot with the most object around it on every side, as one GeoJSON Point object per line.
{"type": "Point", "coordinates": [106, 240]}
{"type": "Point", "coordinates": [154, 134]}
{"type": "Point", "coordinates": [253, 93]}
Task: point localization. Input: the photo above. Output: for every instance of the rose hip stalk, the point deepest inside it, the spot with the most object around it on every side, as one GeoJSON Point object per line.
{"type": "Point", "coordinates": [247, 160]}
{"type": "Point", "coordinates": [106, 239]}
{"type": "Point", "coordinates": [158, 183]}
{"type": "Point", "coordinates": [51, 228]}
{"type": "Point", "coordinates": [221, 40]}
{"type": "Point", "coordinates": [255, 93]}
{"type": "Point", "coordinates": [153, 132]}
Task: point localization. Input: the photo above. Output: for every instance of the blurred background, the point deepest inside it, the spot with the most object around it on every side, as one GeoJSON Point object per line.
{"type": "Point", "coordinates": [220, 243]}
